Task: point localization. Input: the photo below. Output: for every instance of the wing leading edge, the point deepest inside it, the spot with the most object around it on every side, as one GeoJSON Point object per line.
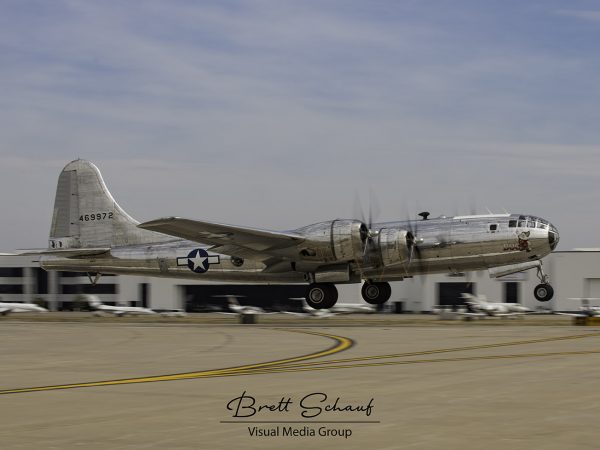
{"type": "Point", "coordinates": [228, 239]}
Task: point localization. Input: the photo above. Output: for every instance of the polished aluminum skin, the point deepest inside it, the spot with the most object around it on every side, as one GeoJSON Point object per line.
{"type": "Point", "coordinates": [91, 233]}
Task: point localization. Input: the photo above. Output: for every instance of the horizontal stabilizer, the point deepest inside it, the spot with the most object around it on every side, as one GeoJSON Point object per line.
{"type": "Point", "coordinates": [253, 239]}
{"type": "Point", "coordinates": [64, 252]}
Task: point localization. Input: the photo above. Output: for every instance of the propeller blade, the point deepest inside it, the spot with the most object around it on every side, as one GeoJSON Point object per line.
{"type": "Point", "coordinates": [367, 234]}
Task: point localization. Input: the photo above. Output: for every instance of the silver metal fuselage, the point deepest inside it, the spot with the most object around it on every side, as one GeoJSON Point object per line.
{"type": "Point", "coordinates": [447, 245]}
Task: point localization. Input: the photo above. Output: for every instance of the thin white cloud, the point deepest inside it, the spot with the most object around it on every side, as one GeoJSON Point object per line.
{"type": "Point", "coordinates": [589, 15]}
{"type": "Point", "coordinates": [294, 104]}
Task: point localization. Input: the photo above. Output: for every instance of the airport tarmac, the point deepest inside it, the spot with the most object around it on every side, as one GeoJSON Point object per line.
{"type": "Point", "coordinates": [145, 385]}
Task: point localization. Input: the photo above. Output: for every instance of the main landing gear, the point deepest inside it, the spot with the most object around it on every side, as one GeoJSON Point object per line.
{"type": "Point", "coordinates": [543, 291]}
{"type": "Point", "coordinates": [376, 293]}
{"type": "Point", "coordinates": [321, 295]}
{"type": "Point", "coordinates": [325, 295]}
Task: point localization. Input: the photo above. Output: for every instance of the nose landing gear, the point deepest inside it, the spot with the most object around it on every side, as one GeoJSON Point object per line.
{"type": "Point", "coordinates": [543, 291]}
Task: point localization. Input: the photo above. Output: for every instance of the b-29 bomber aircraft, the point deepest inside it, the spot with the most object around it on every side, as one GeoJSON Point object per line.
{"type": "Point", "coordinates": [91, 233]}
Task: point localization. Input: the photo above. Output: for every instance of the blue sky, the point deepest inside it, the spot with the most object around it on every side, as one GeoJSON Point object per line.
{"type": "Point", "coordinates": [275, 113]}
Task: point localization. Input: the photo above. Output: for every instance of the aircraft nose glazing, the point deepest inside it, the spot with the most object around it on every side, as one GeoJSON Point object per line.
{"type": "Point", "coordinates": [553, 237]}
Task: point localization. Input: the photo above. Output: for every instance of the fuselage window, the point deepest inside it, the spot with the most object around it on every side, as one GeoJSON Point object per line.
{"type": "Point", "coordinates": [512, 223]}
{"type": "Point", "coordinates": [522, 223]}
{"type": "Point", "coordinates": [493, 227]}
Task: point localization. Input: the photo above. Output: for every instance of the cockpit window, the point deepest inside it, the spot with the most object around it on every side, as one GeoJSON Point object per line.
{"type": "Point", "coordinates": [529, 222]}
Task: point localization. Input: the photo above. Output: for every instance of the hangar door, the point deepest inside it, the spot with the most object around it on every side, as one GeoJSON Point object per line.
{"type": "Point", "coordinates": [449, 293]}
{"type": "Point", "coordinates": [511, 292]}
{"type": "Point", "coordinates": [209, 297]}
{"type": "Point", "coordinates": [593, 287]}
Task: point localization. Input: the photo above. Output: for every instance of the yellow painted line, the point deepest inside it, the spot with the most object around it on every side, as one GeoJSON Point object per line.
{"type": "Point", "coordinates": [447, 350]}
{"type": "Point", "coordinates": [296, 364]}
{"type": "Point", "coordinates": [341, 344]}
{"type": "Point", "coordinates": [286, 369]}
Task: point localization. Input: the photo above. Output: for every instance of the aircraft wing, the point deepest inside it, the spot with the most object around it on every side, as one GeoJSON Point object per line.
{"type": "Point", "coordinates": [64, 252]}
{"type": "Point", "coordinates": [571, 314]}
{"type": "Point", "coordinates": [5, 311]}
{"type": "Point", "coordinates": [243, 252]}
{"type": "Point", "coordinates": [229, 239]}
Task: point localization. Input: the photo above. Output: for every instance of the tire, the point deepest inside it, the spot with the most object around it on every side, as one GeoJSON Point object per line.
{"type": "Point", "coordinates": [376, 293]}
{"type": "Point", "coordinates": [321, 295]}
{"type": "Point", "coordinates": [388, 291]}
{"type": "Point", "coordinates": [543, 292]}
{"type": "Point", "coordinates": [332, 295]}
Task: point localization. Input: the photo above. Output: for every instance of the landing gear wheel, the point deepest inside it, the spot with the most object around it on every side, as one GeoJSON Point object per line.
{"type": "Point", "coordinates": [543, 292]}
{"type": "Point", "coordinates": [321, 295]}
{"type": "Point", "coordinates": [376, 293]}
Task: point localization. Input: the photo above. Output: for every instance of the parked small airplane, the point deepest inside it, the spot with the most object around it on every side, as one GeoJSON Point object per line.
{"type": "Point", "coordinates": [17, 307]}
{"type": "Point", "coordinates": [98, 307]}
{"type": "Point", "coordinates": [585, 310]}
{"type": "Point", "coordinates": [236, 308]}
{"type": "Point", "coordinates": [339, 308]}
{"type": "Point", "coordinates": [307, 311]}
{"type": "Point", "coordinates": [91, 233]}
{"type": "Point", "coordinates": [171, 312]}
{"type": "Point", "coordinates": [480, 307]}
{"type": "Point", "coordinates": [352, 308]}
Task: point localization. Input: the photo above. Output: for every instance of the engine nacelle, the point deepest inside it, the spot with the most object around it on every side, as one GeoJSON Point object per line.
{"type": "Point", "coordinates": [393, 246]}
{"type": "Point", "coordinates": [334, 241]}
{"type": "Point", "coordinates": [347, 240]}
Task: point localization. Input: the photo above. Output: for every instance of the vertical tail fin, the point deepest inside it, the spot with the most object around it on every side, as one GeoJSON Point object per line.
{"type": "Point", "coordinates": [86, 215]}
{"type": "Point", "coordinates": [474, 299]}
{"type": "Point", "coordinates": [232, 300]}
{"type": "Point", "coordinates": [93, 301]}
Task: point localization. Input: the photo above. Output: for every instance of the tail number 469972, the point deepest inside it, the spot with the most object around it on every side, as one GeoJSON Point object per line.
{"type": "Point", "coordinates": [96, 216]}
